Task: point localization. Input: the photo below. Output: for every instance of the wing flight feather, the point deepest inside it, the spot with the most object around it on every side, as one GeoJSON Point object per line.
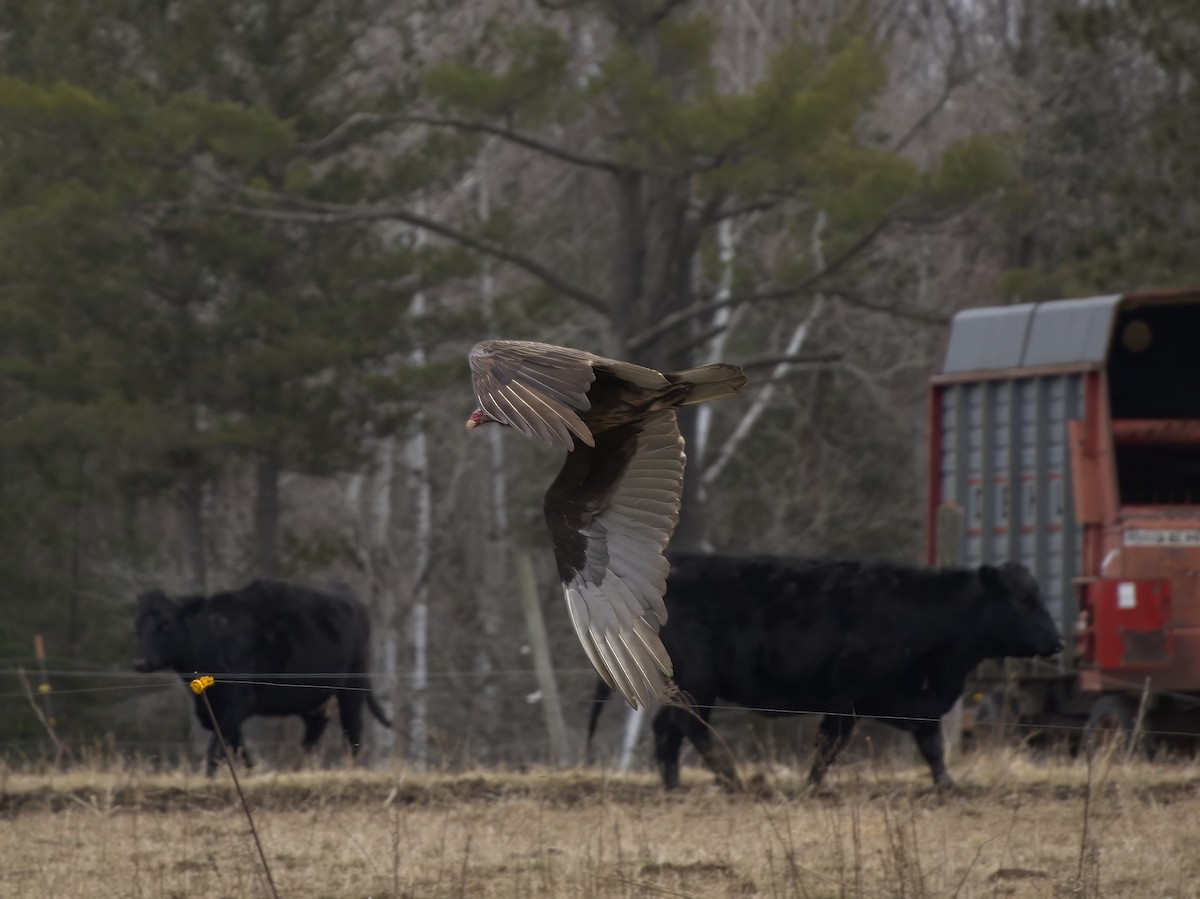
{"type": "Point", "coordinates": [536, 388]}
{"type": "Point", "coordinates": [614, 591]}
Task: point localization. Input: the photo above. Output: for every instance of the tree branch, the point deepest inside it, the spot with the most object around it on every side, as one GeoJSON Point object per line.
{"type": "Point", "coordinates": [925, 318]}
{"type": "Point", "coordinates": [769, 361]}
{"type": "Point", "coordinates": [362, 119]}
{"type": "Point", "coordinates": [780, 368]}
{"type": "Point", "coordinates": [683, 348]}
{"type": "Point", "coordinates": [673, 320]}
{"type": "Point", "coordinates": [954, 77]}
{"type": "Point", "coordinates": [665, 10]}
{"type": "Point", "coordinates": [796, 368]}
{"type": "Point", "coordinates": [763, 205]}
{"type": "Point", "coordinates": [338, 214]}
{"type": "Point", "coordinates": [925, 118]}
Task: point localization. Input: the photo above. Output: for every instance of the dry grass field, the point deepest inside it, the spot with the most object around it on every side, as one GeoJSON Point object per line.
{"type": "Point", "coordinates": [1013, 828]}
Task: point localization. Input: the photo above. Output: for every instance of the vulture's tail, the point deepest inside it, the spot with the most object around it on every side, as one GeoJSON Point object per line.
{"type": "Point", "coordinates": [710, 382]}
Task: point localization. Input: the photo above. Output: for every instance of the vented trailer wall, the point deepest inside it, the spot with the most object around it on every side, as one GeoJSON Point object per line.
{"type": "Point", "coordinates": [1000, 454]}
{"type": "Point", "coordinates": [1012, 378]}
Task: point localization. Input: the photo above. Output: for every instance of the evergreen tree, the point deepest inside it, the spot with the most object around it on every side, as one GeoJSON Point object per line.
{"type": "Point", "coordinates": [661, 149]}
{"type": "Point", "coordinates": [150, 339]}
{"type": "Point", "coordinates": [1146, 149]}
{"type": "Point", "coordinates": [1109, 159]}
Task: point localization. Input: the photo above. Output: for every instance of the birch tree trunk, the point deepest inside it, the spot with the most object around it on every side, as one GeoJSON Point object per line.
{"type": "Point", "coordinates": [374, 497]}
{"type": "Point", "coordinates": [416, 458]}
{"type": "Point", "coordinates": [266, 513]}
{"type": "Point", "coordinates": [494, 585]}
{"type": "Point", "coordinates": [763, 400]}
{"type": "Point", "coordinates": [191, 519]}
{"type": "Point", "coordinates": [74, 625]}
{"type": "Point", "coordinates": [723, 320]}
{"type": "Point", "coordinates": [556, 729]}
{"type": "Point", "coordinates": [767, 392]}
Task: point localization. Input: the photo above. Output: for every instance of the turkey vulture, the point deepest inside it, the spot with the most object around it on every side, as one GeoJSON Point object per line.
{"type": "Point", "coordinates": [615, 503]}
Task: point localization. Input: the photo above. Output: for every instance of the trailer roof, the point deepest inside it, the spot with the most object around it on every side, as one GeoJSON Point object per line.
{"type": "Point", "coordinates": [1059, 332]}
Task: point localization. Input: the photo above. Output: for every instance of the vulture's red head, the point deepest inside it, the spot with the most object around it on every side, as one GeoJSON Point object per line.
{"type": "Point", "coordinates": [478, 417]}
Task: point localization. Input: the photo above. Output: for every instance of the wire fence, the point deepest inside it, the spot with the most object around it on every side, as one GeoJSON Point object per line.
{"type": "Point", "coordinates": [326, 681]}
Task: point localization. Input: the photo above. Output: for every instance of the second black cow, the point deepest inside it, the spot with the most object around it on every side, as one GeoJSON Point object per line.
{"type": "Point", "coordinates": [847, 639]}
{"type": "Point", "coordinates": [273, 649]}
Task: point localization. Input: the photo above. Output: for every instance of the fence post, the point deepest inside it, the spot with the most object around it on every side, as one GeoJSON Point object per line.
{"type": "Point", "coordinates": [1135, 738]}
{"type": "Point", "coordinates": [536, 625]}
{"type": "Point", "coordinates": [948, 534]}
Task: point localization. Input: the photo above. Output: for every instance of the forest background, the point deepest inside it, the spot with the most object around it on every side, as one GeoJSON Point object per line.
{"type": "Point", "coordinates": [245, 246]}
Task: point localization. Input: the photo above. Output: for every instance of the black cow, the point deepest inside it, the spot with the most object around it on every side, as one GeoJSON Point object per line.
{"type": "Point", "coordinates": [273, 648]}
{"type": "Point", "coordinates": [847, 639]}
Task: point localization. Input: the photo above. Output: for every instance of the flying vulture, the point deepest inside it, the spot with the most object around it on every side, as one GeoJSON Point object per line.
{"type": "Point", "coordinates": [615, 503]}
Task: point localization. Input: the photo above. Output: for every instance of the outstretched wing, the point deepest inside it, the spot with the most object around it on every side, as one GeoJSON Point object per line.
{"type": "Point", "coordinates": [611, 511]}
{"type": "Point", "coordinates": [534, 387]}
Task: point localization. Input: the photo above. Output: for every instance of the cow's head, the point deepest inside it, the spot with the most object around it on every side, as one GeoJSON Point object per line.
{"type": "Point", "coordinates": [162, 639]}
{"type": "Point", "coordinates": [1014, 618]}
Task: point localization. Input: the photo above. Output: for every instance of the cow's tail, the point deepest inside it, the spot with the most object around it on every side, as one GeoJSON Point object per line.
{"type": "Point", "coordinates": [599, 697]}
{"type": "Point", "coordinates": [376, 708]}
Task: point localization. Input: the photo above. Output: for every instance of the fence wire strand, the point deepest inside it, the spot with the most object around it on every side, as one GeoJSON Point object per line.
{"type": "Point", "coordinates": [294, 680]}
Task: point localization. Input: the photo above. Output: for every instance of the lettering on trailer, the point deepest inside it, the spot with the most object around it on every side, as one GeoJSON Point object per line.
{"type": "Point", "coordinates": [1144, 537]}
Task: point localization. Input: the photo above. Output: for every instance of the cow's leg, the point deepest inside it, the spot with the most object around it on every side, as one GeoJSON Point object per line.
{"type": "Point", "coordinates": [212, 757]}
{"type": "Point", "coordinates": [715, 753]}
{"type": "Point", "coordinates": [350, 712]}
{"type": "Point", "coordinates": [233, 737]}
{"type": "Point", "coordinates": [599, 698]}
{"type": "Point", "coordinates": [668, 739]}
{"type": "Point", "coordinates": [314, 725]}
{"type": "Point", "coordinates": [228, 711]}
{"type": "Point", "coordinates": [694, 726]}
{"type": "Point", "coordinates": [832, 736]}
{"type": "Point", "coordinates": [928, 735]}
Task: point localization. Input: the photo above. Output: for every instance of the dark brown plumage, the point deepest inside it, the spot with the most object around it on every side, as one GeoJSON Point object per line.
{"type": "Point", "coordinates": [615, 503]}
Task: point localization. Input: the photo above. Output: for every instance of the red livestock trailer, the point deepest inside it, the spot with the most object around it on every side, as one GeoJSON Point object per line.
{"type": "Point", "coordinates": [1066, 435]}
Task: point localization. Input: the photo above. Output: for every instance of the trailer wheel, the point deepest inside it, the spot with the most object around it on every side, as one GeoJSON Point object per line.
{"type": "Point", "coordinates": [1109, 722]}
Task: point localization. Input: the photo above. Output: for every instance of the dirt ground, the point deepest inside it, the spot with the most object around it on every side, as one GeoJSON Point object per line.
{"type": "Point", "coordinates": [1012, 828]}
